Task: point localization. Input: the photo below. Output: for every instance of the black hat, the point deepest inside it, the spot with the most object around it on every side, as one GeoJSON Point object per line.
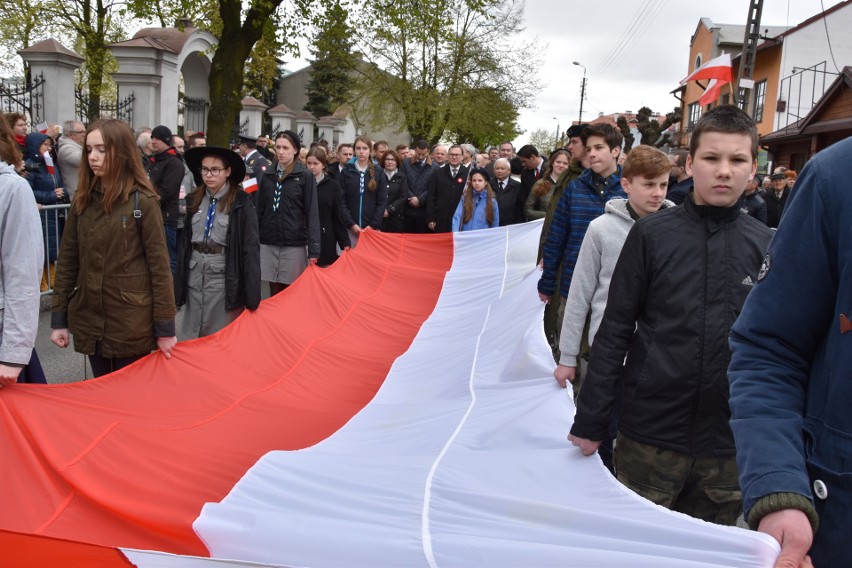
{"type": "Point", "coordinates": [162, 133]}
{"type": "Point", "coordinates": [232, 160]}
{"type": "Point", "coordinates": [249, 141]}
{"type": "Point", "coordinates": [778, 176]}
{"type": "Point", "coordinates": [576, 130]}
{"type": "Point", "coordinates": [293, 138]}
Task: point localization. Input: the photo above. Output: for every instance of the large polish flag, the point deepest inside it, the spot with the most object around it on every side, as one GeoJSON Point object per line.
{"type": "Point", "coordinates": [395, 409]}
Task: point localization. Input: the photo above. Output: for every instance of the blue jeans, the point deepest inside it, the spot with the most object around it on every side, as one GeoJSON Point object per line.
{"type": "Point", "coordinates": [171, 243]}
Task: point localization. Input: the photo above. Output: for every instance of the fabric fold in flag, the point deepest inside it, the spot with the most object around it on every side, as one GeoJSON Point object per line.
{"type": "Point", "coordinates": [250, 185]}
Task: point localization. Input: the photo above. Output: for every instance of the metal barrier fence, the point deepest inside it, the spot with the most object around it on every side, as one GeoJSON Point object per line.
{"type": "Point", "coordinates": [52, 223]}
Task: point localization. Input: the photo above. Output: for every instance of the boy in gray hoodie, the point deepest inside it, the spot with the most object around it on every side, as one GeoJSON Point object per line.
{"type": "Point", "coordinates": [645, 179]}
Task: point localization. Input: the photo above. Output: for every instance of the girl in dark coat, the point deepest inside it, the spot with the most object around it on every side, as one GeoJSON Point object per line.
{"type": "Point", "coordinates": [334, 233]}
{"type": "Point", "coordinates": [364, 190]}
{"type": "Point", "coordinates": [113, 283]}
{"type": "Point", "coordinates": [398, 192]}
{"type": "Point", "coordinates": [288, 216]}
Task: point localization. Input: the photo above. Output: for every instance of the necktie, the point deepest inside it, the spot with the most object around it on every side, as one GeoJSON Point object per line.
{"type": "Point", "coordinates": [211, 215]}
{"type": "Point", "coordinates": [537, 173]}
{"type": "Point", "coordinates": [501, 187]}
{"type": "Point", "coordinates": [453, 172]}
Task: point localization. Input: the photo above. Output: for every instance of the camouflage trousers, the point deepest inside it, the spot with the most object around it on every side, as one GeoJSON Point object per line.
{"type": "Point", "coordinates": [706, 488]}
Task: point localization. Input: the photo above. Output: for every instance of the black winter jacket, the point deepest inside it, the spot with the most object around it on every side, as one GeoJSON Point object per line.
{"type": "Point", "coordinates": [334, 231]}
{"type": "Point", "coordinates": [296, 221]}
{"type": "Point", "coordinates": [165, 170]}
{"type": "Point", "coordinates": [680, 282]}
{"type": "Point", "coordinates": [242, 255]}
{"type": "Point", "coordinates": [398, 194]}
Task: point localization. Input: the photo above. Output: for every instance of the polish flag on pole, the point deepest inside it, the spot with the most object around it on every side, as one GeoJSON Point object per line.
{"type": "Point", "coordinates": [250, 185]}
{"type": "Point", "coordinates": [719, 71]}
{"type": "Point", "coordinates": [48, 161]}
{"type": "Point", "coordinates": [41, 127]}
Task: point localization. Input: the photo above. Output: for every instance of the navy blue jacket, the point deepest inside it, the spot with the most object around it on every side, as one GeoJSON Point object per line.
{"type": "Point", "coordinates": [361, 206]}
{"type": "Point", "coordinates": [44, 187]}
{"type": "Point", "coordinates": [791, 366]}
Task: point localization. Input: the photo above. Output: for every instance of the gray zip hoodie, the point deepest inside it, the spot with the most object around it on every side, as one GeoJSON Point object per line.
{"type": "Point", "coordinates": [590, 285]}
{"type": "Point", "coordinates": [21, 260]}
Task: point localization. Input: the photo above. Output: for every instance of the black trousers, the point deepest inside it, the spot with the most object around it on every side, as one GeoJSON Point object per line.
{"type": "Point", "coordinates": [105, 365]}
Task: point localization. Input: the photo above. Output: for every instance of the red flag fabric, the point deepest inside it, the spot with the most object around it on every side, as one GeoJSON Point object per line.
{"type": "Point", "coordinates": [250, 185]}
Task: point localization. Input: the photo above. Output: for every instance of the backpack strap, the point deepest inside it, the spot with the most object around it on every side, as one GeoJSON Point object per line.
{"type": "Point", "coordinates": [137, 213]}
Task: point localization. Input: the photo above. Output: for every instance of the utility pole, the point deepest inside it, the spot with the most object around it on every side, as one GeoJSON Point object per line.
{"type": "Point", "coordinates": [582, 89]}
{"type": "Point", "coordinates": [744, 77]}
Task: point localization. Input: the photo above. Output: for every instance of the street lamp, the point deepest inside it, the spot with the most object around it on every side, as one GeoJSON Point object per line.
{"type": "Point", "coordinates": [582, 89]}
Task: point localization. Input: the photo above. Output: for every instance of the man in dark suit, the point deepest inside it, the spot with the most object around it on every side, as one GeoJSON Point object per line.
{"type": "Point", "coordinates": [344, 154]}
{"type": "Point", "coordinates": [445, 191]}
{"type": "Point", "coordinates": [533, 169]}
{"type": "Point", "coordinates": [776, 199]}
{"type": "Point", "coordinates": [418, 170]}
{"type": "Point", "coordinates": [508, 191]}
{"type": "Point", "coordinates": [256, 164]}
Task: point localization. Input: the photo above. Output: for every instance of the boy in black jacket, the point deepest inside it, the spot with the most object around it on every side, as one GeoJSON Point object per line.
{"type": "Point", "coordinates": [679, 284]}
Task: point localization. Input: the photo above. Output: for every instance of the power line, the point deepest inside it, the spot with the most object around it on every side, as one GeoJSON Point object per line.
{"type": "Point", "coordinates": [642, 21]}
{"type": "Point", "coordinates": [828, 39]}
{"type": "Point", "coordinates": [624, 36]}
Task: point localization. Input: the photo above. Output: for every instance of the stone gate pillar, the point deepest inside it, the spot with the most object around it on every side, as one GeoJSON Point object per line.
{"type": "Point", "coordinates": [57, 64]}
{"type": "Point", "coordinates": [149, 71]}
{"type": "Point", "coordinates": [253, 112]}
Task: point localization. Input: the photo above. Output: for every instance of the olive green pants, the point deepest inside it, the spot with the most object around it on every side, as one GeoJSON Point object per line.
{"type": "Point", "coordinates": [706, 488]}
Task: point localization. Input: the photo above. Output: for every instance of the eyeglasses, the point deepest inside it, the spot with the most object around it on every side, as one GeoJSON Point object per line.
{"type": "Point", "coordinates": [454, 155]}
{"type": "Point", "coordinates": [212, 171]}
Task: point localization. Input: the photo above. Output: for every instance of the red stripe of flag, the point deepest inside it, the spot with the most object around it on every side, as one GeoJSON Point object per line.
{"type": "Point", "coordinates": [129, 460]}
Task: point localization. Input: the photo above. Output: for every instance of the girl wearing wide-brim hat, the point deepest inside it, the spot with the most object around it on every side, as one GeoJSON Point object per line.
{"type": "Point", "coordinates": [218, 272]}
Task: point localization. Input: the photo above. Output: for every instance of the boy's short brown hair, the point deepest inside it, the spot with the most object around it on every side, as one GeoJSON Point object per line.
{"type": "Point", "coordinates": [645, 161]}
{"type": "Point", "coordinates": [727, 119]}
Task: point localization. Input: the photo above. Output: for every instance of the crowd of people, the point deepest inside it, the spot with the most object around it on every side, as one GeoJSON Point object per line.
{"type": "Point", "coordinates": [646, 262]}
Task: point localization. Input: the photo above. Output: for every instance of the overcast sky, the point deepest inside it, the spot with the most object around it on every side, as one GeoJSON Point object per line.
{"type": "Point", "coordinates": [630, 63]}
{"type": "Point", "coordinates": [651, 64]}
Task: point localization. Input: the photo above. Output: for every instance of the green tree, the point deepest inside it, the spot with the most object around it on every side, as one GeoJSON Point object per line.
{"type": "Point", "coordinates": [89, 25]}
{"type": "Point", "coordinates": [490, 119]}
{"type": "Point", "coordinates": [239, 27]}
{"type": "Point", "coordinates": [544, 140]}
{"type": "Point", "coordinates": [332, 64]}
{"type": "Point", "coordinates": [425, 60]}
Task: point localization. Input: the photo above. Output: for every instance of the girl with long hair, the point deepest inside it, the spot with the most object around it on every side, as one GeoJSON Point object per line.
{"type": "Point", "coordinates": [334, 233]}
{"type": "Point", "coordinates": [542, 192]}
{"type": "Point", "coordinates": [398, 192]}
{"type": "Point", "coordinates": [365, 192]}
{"type": "Point", "coordinates": [478, 207]}
{"type": "Point", "coordinates": [288, 216]}
{"type": "Point", "coordinates": [218, 269]}
{"type": "Point", "coordinates": [113, 287]}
